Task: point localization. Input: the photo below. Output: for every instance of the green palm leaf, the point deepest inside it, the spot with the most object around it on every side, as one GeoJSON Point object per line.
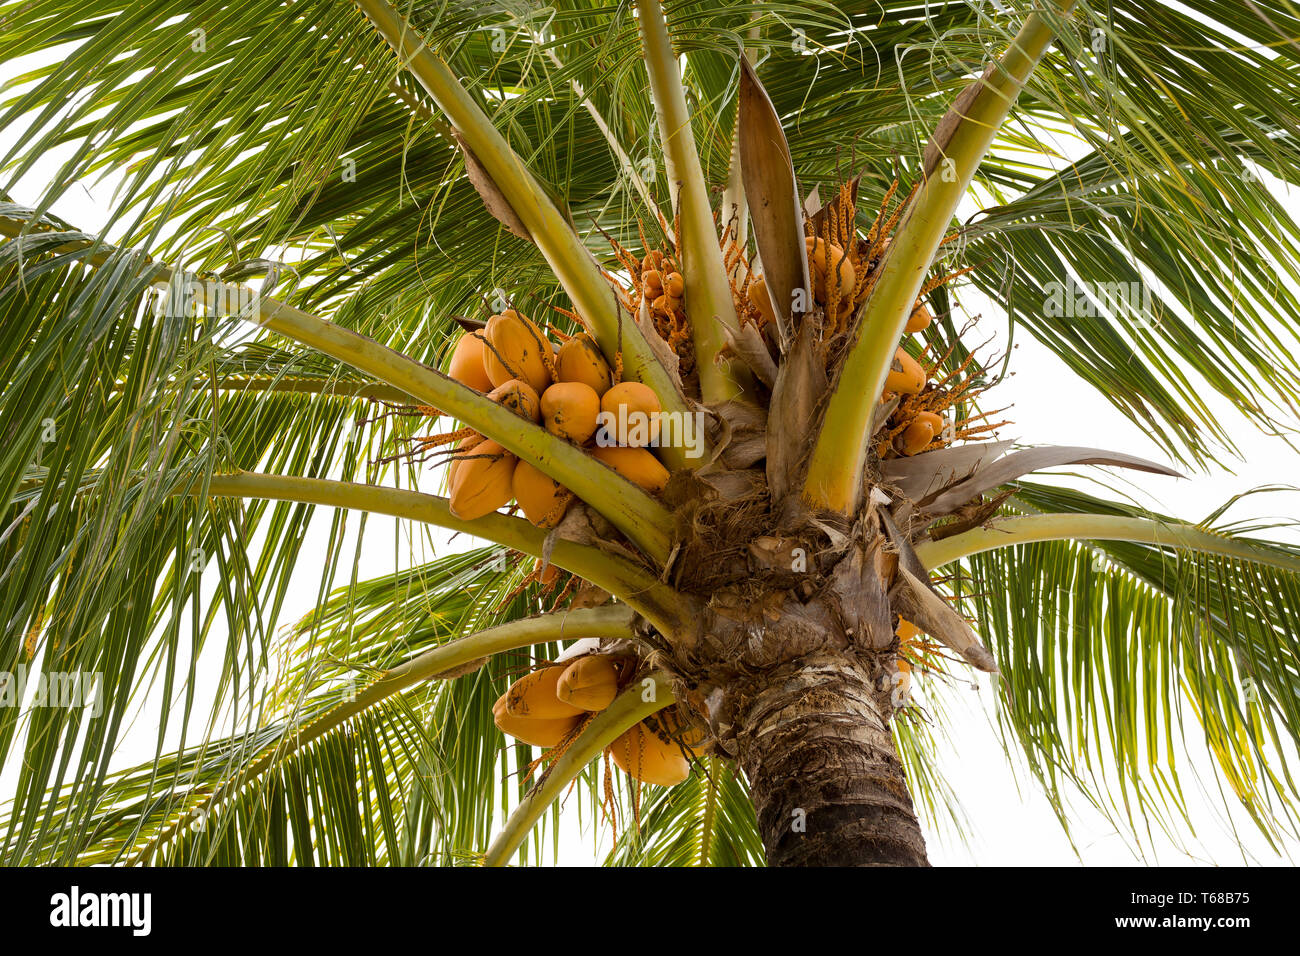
{"type": "Point", "coordinates": [1120, 659]}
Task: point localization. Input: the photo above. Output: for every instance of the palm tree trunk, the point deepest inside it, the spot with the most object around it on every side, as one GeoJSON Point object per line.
{"type": "Point", "coordinates": [792, 663]}
{"type": "Point", "coordinates": [824, 776]}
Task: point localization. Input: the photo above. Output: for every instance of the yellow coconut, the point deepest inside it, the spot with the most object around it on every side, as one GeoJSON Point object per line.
{"type": "Point", "coordinates": [933, 420]}
{"type": "Point", "coordinates": [910, 379]}
{"type": "Point", "coordinates": [652, 284]}
{"type": "Point", "coordinates": [519, 397]}
{"type": "Point", "coordinates": [538, 731]}
{"type": "Point", "coordinates": [481, 480]}
{"type": "Point", "coordinates": [515, 350]}
{"type": "Point", "coordinates": [467, 362]}
{"type": "Point", "coordinates": [636, 465]}
{"type": "Point", "coordinates": [533, 695]}
{"type": "Point", "coordinates": [649, 758]}
{"type": "Point", "coordinates": [902, 683]}
{"type": "Point", "coordinates": [590, 682]}
{"type": "Point", "coordinates": [919, 320]}
{"type": "Point", "coordinates": [580, 360]}
{"type": "Point", "coordinates": [916, 436]}
{"type": "Point", "coordinates": [542, 499]}
{"type": "Point", "coordinates": [922, 430]}
{"type": "Point", "coordinates": [674, 285]}
{"type": "Point", "coordinates": [684, 731]}
{"type": "Point", "coordinates": [826, 256]}
{"type": "Point", "coordinates": [907, 633]}
{"type": "Point", "coordinates": [569, 411]}
{"type": "Point", "coordinates": [631, 414]}
{"type": "Point", "coordinates": [463, 448]}
{"type": "Point", "coordinates": [759, 298]}
{"type": "Point", "coordinates": [665, 305]}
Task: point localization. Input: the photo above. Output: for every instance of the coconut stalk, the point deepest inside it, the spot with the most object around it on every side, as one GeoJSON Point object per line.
{"type": "Point", "coordinates": [1026, 529]}
{"type": "Point", "coordinates": [708, 293]}
{"type": "Point", "coordinates": [962, 140]}
{"type": "Point", "coordinates": [658, 602]}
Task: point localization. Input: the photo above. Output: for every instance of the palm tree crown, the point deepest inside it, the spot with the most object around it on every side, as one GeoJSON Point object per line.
{"type": "Point", "coordinates": [315, 202]}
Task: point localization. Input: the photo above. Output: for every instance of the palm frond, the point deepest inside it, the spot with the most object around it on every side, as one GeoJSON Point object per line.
{"type": "Point", "coordinates": [409, 779]}
{"type": "Point", "coordinates": [1123, 663]}
{"type": "Point", "coordinates": [668, 825]}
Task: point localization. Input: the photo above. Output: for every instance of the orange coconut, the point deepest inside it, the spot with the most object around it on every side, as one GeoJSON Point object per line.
{"type": "Point", "coordinates": [919, 320]}
{"type": "Point", "coordinates": [481, 480]}
{"type": "Point", "coordinates": [538, 731]}
{"type": "Point", "coordinates": [533, 695]}
{"type": "Point", "coordinates": [519, 397]}
{"type": "Point", "coordinates": [542, 499]}
{"type": "Point", "coordinates": [464, 447]}
{"type": "Point", "coordinates": [569, 411]}
{"type": "Point", "coordinates": [652, 284]}
{"type": "Point", "coordinates": [636, 465]}
{"type": "Point", "coordinates": [467, 362]}
{"type": "Point", "coordinates": [831, 269]}
{"type": "Point", "coordinates": [590, 682]}
{"type": "Point", "coordinates": [648, 757]}
{"type": "Point", "coordinates": [580, 360]}
{"type": "Point", "coordinates": [516, 350]}
{"type": "Point", "coordinates": [631, 414]}
{"type": "Point", "coordinates": [761, 300]}
{"type": "Point", "coordinates": [910, 379]}
{"type": "Point", "coordinates": [918, 434]}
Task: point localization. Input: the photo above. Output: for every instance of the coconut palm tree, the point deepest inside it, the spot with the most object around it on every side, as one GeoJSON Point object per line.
{"type": "Point", "coordinates": [314, 201]}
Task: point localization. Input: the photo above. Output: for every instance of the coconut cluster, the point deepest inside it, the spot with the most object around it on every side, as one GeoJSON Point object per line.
{"type": "Point", "coordinates": [841, 282]}
{"type": "Point", "coordinates": [549, 706]}
{"type": "Point", "coordinates": [568, 388]}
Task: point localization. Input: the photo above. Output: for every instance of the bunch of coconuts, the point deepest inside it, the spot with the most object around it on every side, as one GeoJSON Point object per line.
{"type": "Point", "coordinates": [548, 706]}
{"type": "Point", "coordinates": [839, 287]}
{"type": "Point", "coordinates": [566, 389]}
{"type": "Point", "coordinates": [662, 285]}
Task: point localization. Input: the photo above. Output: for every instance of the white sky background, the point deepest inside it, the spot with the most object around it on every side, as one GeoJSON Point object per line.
{"type": "Point", "coordinates": [1013, 825]}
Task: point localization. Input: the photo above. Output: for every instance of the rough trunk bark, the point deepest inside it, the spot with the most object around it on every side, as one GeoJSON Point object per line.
{"type": "Point", "coordinates": [826, 781]}
{"type": "Point", "coordinates": [792, 667]}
